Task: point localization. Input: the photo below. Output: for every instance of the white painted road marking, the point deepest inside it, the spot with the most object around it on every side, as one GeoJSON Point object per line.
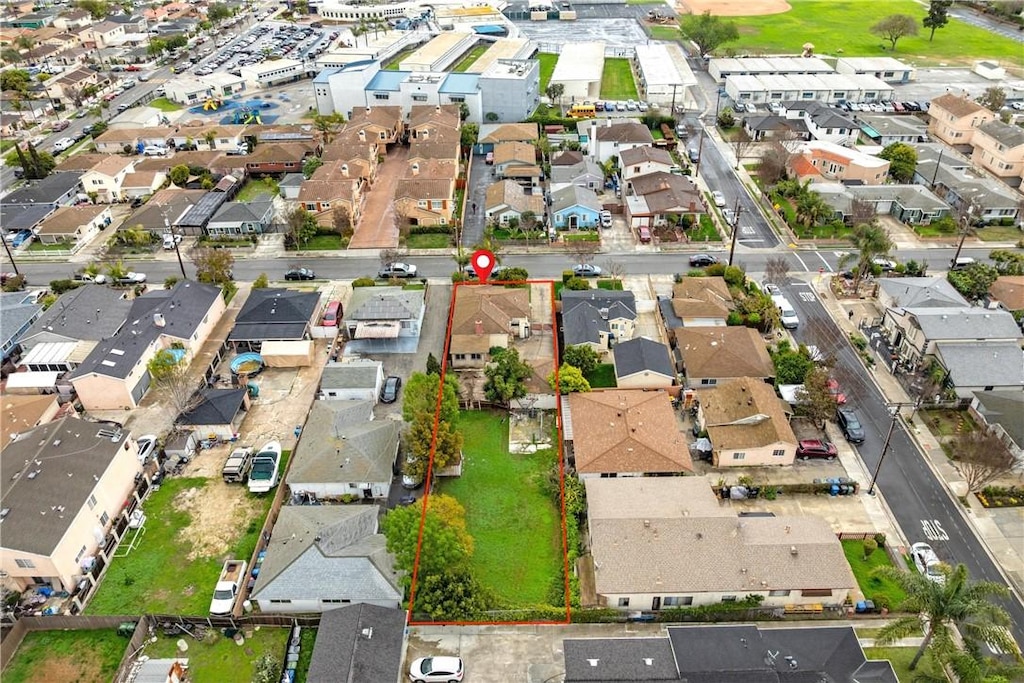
{"type": "Point", "coordinates": [824, 261]}
{"type": "Point", "coordinates": [806, 269]}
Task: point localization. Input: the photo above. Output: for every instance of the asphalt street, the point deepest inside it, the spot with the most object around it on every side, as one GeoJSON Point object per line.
{"type": "Point", "coordinates": [919, 501]}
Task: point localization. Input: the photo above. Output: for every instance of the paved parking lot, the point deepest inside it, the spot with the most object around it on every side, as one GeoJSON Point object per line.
{"type": "Point", "coordinates": [264, 41]}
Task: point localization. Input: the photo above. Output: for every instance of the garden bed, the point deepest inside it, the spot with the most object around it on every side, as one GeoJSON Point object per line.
{"type": "Point", "coordinates": [1002, 496]}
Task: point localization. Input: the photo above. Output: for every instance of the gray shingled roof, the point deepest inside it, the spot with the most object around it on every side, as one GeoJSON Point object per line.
{"type": "Point", "coordinates": [1003, 408]}
{"type": "Point", "coordinates": [341, 443]}
{"type": "Point", "coordinates": [274, 314]}
{"type": "Point", "coordinates": [218, 407]}
{"type": "Point", "coordinates": [567, 174]}
{"type": "Point", "coordinates": [358, 643]}
{"type": "Point", "coordinates": [619, 659]}
{"type": "Point", "coordinates": [71, 455]}
{"type": "Point", "coordinates": [385, 303]}
{"type": "Point", "coordinates": [987, 364]}
{"type": "Point", "coordinates": [574, 195]}
{"type": "Point", "coordinates": [90, 312]}
{"type": "Point", "coordinates": [183, 309]}
{"type": "Point", "coordinates": [327, 552]}
{"type": "Point", "coordinates": [642, 354]}
{"type": "Point", "coordinates": [243, 212]}
{"type": "Point", "coordinates": [46, 191]}
{"type": "Point", "coordinates": [23, 216]}
{"type": "Point", "coordinates": [585, 314]}
{"type": "Point", "coordinates": [922, 292]}
{"type": "Point", "coordinates": [965, 323]}
{"type": "Point", "coordinates": [362, 375]}
{"type": "Point", "coordinates": [16, 310]}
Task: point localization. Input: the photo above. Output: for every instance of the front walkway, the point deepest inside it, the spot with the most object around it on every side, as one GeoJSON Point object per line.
{"type": "Point", "coordinates": [378, 225]}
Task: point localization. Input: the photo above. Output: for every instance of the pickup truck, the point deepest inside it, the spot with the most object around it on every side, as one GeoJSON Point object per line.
{"type": "Point", "coordinates": [236, 469]}
{"type": "Point", "coordinates": [231, 578]}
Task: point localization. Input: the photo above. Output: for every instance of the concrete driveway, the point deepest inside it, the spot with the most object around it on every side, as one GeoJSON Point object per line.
{"type": "Point", "coordinates": [378, 224]}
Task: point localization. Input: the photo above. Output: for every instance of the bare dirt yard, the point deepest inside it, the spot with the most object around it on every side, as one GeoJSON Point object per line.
{"type": "Point", "coordinates": [732, 8]}
{"type": "Point", "coordinates": [217, 510]}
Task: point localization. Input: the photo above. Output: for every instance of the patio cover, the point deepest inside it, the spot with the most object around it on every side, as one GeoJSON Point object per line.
{"type": "Point", "coordinates": [378, 330]}
{"type": "Point", "coordinates": [287, 354]}
{"type": "Point", "coordinates": [31, 382]}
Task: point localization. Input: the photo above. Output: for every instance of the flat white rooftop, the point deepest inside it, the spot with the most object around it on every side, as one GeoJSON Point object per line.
{"type": "Point", "coordinates": [662, 66]}
{"type": "Point", "coordinates": [504, 48]}
{"type": "Point", "coordinates": [579, 62]}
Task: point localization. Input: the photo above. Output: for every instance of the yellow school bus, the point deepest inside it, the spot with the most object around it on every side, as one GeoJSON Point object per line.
{"type": "Point", "coordinates": [582, 111]}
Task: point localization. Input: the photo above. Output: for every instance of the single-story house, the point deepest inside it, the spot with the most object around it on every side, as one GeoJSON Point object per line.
{"type": "Point", "coordinates": [698, 302]}
{"type": "Point", "coordinates": [335, 548]}
{"type": "Point", "coordinates": [697, 552]}
{"type": "Point", "coordinates": [625, 433]}
{"type": "Point", "coordinates": [242, 218]}
{"type": "Point", "coordinates": [981, 366]}
{"type": "Point", "coordinates": [575, 208]}
{"type": "Point", "coordinates": [642, 363]}
{"type": "Point", "coordinates": [344, 452]}
{"type": "Point", "coordinates": [585, 173]}
{"type": "Point", "coordinates": [506, 199]}
{"type": "Point", "coordinates": [661, 198]}
{"type": "Point", "coordinates": [1007, 292]}
{"type": "Point", "coordinates": [485, 317]}
{"type": "Point", "coordinates": [352, 380]}
{"type": "Point", "coordinates": [714, 355]}
{"type": "Point", "coordinates": [18, 312]}
{"type": "Point", "coordinates": [274, 314]}
{"type": "Point", "coordinates": [1001, 411]}
{"type": "Point", "coordinates": [74, 224]}
{"type": "Point", "coordinates": [22, 413]}
{"type": "Point", "coordinates": [217, 412]}
{"type": "Point", "coordinates": [84, 315]}
{"type": "Point", "coordinates": [747, 424]}
{"type": "Point", "coordinates": [56, 189]}
{"type": "Point", "coordinates": [358, 642]}
{"type": "Point", "coordinates": [918, 292]}
{"type": "Point", "coordinates": [598, 318]}
{"type": "Point", "coordinates": [384, 313]}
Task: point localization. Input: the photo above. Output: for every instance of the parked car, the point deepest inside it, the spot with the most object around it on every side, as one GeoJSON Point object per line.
{"type": "Point", "coordinates": [702, 260]}
{"type": "Point", "coordinates": [586, 270]}
{"type": "Point", "coordinates": [719, 198]}
{"type": "Point", "coordinates": [236, 468]}
{"type": "Point", "coordinates": [927, 562]}
{"type": "Point", "coordinates": [436, 670]}
{"type": "Point", "coordinates": [63, 144]}
{"type": "Point", "coordinates": [885, 264]}
{"type": "Point", "coordinates": [644, 233]}
{"type": "Point", "coordinates": [606, 219]}
{"type": "Point", "coordinates": [132, 278]}
{"type": "Point", "coordinates": [389, 392]}
{"type": "Point", "coordinates": [21, 237]}
{"type": "Point", "coordinates": [232, 577]}
{"type": "Point", "coordinates": [147, 446]}
{"type": "Point", "coordinates": [265, 468]}
{"type": "Point", "coordinates": [403, 270]}
{"type": "Point", "coordinates": [300, 274]}
{"type": "Point", "coordinates": [816, 448]}
{"type": "Point", "coordinates": [331, 314]}
{"type": "Point", "coordinates": [850, 425]}
{"type": "Point", "coordinates": [834, 390]}
{"type": "Point", "coordinates": [729, 215]}
{"type": "Point", "coordinates": [961, 262]}
{"type": "Point", "coordinates": [770, 289]}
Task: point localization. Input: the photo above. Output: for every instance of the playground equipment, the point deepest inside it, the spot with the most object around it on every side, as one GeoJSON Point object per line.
{"type": "Point", "coordinates": [246, 115]}
{"type": "Point", "coordinates": [212, 104]}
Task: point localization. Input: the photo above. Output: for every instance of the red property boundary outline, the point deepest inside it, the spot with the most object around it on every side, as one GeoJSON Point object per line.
{"type": "Point", "coordinates": [433, 447]}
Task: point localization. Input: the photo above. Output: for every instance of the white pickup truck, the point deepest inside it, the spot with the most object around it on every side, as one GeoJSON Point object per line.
{"type": "Point", "coordinates": [230, 582]}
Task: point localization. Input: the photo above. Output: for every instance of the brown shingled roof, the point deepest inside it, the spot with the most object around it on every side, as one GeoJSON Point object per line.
{"type": "Point", "coordinates": [492, 306]}
{"type": "Point", "coordinates": [957, 105]}
{"type": "Point", "coordinates": [744, 413]}
{"type": "Point", "coordinates": [67, 219]}
{"type": "Point", "coordinates": [1009, 291]}
{"type": "Point", "coordinates": [627, 430]}
{"type": "Point", "coordinates": [723, 352]}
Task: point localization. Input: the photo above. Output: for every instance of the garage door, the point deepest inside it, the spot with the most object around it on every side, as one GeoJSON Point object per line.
{"type": "Point", "coordinates": [139, 390]}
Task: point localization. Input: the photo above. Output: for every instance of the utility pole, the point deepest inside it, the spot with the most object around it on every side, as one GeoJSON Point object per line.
{"type": "Point", "coordinates": [673, 110]}
{"type": "Point", "coordinates": [894, 412]}
{"type": "Point", "coordinates": [735, 228]}
{"type": "Point", "coordinates": [175, 238]}
{"type": "Point", "coordinates": [965, 224]}
{"type": "Point", "coordinates": [10, 256]}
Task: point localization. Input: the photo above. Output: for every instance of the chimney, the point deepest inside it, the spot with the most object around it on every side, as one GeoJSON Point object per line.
{"type": "Point", "coordinates": [608, 122]}
{"type": "Point", "coordinates": [479, 328]}
{"type": "Point", "coordinates": [362, 136]}
{"type": "Point", "coordinates": [415, 169]}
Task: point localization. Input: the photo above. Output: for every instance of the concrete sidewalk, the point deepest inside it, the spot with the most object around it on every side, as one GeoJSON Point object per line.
{"type": "Point", "coordinates": [1002, 531]}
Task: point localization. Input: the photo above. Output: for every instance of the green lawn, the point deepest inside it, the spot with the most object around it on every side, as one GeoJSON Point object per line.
{"type": "Point", "coordinates": [1000, 233]}
{"type": "Point", "coordinates": [331, 241]}
{"type": "Point", "coordinates": [872, 586]}
{"type": "Point", "coordinates": [471, 58]}
{"type": "Point", "coordinates": [617, 80]}
{"type": "Point", "coordinates": [900, 658]}
{"type": "Point", "coordinates": [516, 527]}
{"type": "Point", "coordinates": [155, 577]}
{"type": "Point", "coordinates": [397, 59]}
{"type": "Point", "coordinates": [80, 656]}
{"type": "Point", "coordinates": [613, 285]}
{"type": "Point", "coordinates": [704, 231]}
{"type": "Point", "coordinates": [217, 658]}
{"type": "Point", "coordinates": [943, 422]}
{"type": "Point", "coordinates": [256, 188]}
{"type": "Point", "coordinates": [547, 67]}
{"type": "Point", "coordinates": [603, 377]}
{"type": "Point", "coordinates": [308, 639]}
{"type": "Point", "coordinates": [430, 241]}
{"type": "Point", "coordinates": [841, 27]}
{"type": "Point", "coordinates": [667, 32]}
{"type": "Point", "coordinates": [36, 245]}
{"type": "Point", "coordinates": [934, 230]}
{"type": "Point", "coordinates": [164, 104]}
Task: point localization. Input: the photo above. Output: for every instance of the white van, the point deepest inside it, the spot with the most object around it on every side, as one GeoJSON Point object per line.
{"type": "Point", "coordinates": [787, 314]}
{"type": "Point", "coordinates": [961, 262]}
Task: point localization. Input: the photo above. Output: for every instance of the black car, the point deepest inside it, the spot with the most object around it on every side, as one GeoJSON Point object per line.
{"type": "Point", "coordinates": [702, 260]}
{"type": "Point", "coordinates": [300, 274]}
{"type": "Point", "coordinates": [850, 423]}
{"type": "Point", "coordinates": [389, 394]}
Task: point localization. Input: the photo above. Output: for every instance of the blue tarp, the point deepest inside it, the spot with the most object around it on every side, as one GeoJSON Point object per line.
{"type": "Point", "coordinates": [491, 30]}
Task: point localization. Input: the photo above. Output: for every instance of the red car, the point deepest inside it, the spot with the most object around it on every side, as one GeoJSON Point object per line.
{"type": "Point", "coordinates": [837, 394]}
{"type": "Point", "coordinates": [109, 96]}
{"type": "Point", "coordinates": [133, 68]}
{"type": "Point", "coordinates": [645, 234]}
{"type": "Point", "coordinates": [816, 448]}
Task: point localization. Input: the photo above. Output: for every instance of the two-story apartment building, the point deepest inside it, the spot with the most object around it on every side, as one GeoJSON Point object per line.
{"type": "Point", "coordinates": [954, 118]}
{"type": "Point", "coordinates": [999, 149]}
{"type": "Point", "coordinates": [611, 139]}
{"type": "Point", "coordinates": [835, 162]}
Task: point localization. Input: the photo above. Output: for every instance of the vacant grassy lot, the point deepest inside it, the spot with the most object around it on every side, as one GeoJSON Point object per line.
{"type": "Point", "coordinates": [79, 656]}
{"type": "Point", "coordinates": [841, 27]}
{"type": "Point", "coordinates": [471, 58]}
{"type": "Point", "coordinates": [617, 80]}
{"type": "Point", "coordinates": [603, 377]}
{"type": "Point", "coordinates": [870, 585]}
{"type": "Point", "coordinates": [256, 188]}
{"type": "Point", "coordinates": [516, 528]}
{"type": "Point", "coordinates": [220, 659]}
{"type": "Point", "coordinates": [667, 32]}
{"type": "Point", "coordinates": [547, 67]}
{"type": "Point", "coordinates": [164, 104]}
{"type": "Point", "coordinates": [166, 573]}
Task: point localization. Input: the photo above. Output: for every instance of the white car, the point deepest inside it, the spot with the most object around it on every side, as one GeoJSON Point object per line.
{"type": "Point", "coordinates": [884, 263]}
{"type": "Point", "coordinates": [63, 144]}
{"type": "Point", "coordinates": [154, 151]}
{"type": "Point", "coordinates": [770, 289]}
{"type": "Point", "coordinates": [719, 198]}
{"type": "Point", "coordinates": [927, 562]}
{"type": "Point", "coordinates": [606, 219]}
{"type": "Point", "coordinates": [437, 670]}
{"type": "Point", "coordinates": [147, 446]}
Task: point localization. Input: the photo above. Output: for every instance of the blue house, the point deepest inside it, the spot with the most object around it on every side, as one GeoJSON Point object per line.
{"type": "Point", "coordinates": [575, 208]}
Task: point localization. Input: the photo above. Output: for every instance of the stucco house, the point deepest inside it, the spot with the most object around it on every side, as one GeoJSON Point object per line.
{"type": "Point", "coordinates": [114, 375]}
{"type": "Point", "coordinates": [384, 313]}
{"type": "Point", "coordinates": [953, 119]}
{"type": "Point", "coordinates": [598, 318]}
{"type": "Point", "coordinates": [638, 161]}
{"type": "Point", "coordinates": [696, 552]}
{"type": "Point", "coordinates": [426, 193]}
{"type": "Point", "coordinates": [506, 199]}
{"type": "Point", "coordinates": [625, 433]}
{"type": "Point", "coordinates": [661, 198]}
{"type": "Point", "coordinates": [642, 363]}
{"type": "Point", "coordinates": [67, 483]}
{"type": "Point", "coordinates": [976, 366]}
{"type": "Point", "coordinates": [709, 356]}
{"type": "Point", "coordinates": [575, 208]}
{"type": "Point", "coordinates": [918, 292]}
{"type": "Point", "coordinates": [999, 149]}
{"type": "Point", "coordinates": [517, 161]}
{"type": "Point", "coordinates": [82, 316]}
{"type": "Point", "coordinates": [107, 178]}
{"type": "Point", "coordinates": [74, 224]}
{"type": "Point", "coordinates": [355, 379]}
{"type": "Point", "coordinates": [485, 317]}
{"type": "Point", "coordinates": [913, 332]}
{"type": "Point", "coordinates": [585, 173]}
{"type": "Point", "coordinates": [343, 451]}
{"type": "Point", "coordinates": [323, 556]}
{"type": "Point", "coordinates": [615, 136]}
{"type": "Point", "coordinates": [747, 424]}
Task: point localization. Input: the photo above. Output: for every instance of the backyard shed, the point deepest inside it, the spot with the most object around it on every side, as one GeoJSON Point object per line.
{"type": "Point", "coordinates": [218, 414]}
{"type": "Point", "coordinates": [287, 354]}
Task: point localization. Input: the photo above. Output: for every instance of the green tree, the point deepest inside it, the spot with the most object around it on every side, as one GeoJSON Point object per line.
{"type": "Point", "coordinates": [555, 92]}
{"type": "Point", "coordinates": [937, 17]}
{"type": "Point", "coordinates": [726, 118]}
{"type": "Point", "coordinates": [328, 125]}
{"type": "Point", "coordinates": [506, 376]}
{"type": "Point", "coordinates": [261, 282]}
{"type": "Point", "coordinates": [421, 396]}
{"type": "Point", "coordinates": [902, 160]}
{"type": "Point", "coordinates": [973, 282]}
{"type": "Point", "coordinates": [993, 98]}
{"type": "Point", "coordinates": [98, 129]}
{"type": "Point", "coordinates": [97, 9]}
{"type": "Point", "coordinates": [939, 606]}
{"type": "Point", "coordinates": [420, 438]}
{"type": "Point", "coordinates": [708, 32]}
{"type": "Point", "coordinates": [1008, 262]}
{"type": "Point", "coordinates": [180, 174]}
{"type": "Point", "coordinates": [452, 595]}
{"type": "Point", "coordinates": [443, 546]}
{"type": "Point", "coordinates": [577, 284]}
{"type": "Point", "coordinates": [511, 274]}
{"type": "Point", "coordinates": [218, 12]}
{"type": "Point", "coordinates": [816, 399]}
{"type": "Point", "coordinates": [310, 165]}
{"type": "Point", "coordinates": [812, 209]}
{"type": "Point", "coordinates": [213, 266]}
{"type": "Point", "coordinates": [267, 669]}
{"type": "Point", "coordinates": [871, 241]}
{"type": "Point", "coordinates": [302, 225]}
{"type": "Point", "coordinates": [156, 47]}
{"type": "Point", "coordinates": [581, 356]}
{"type": "Point", "coordinates": [15, 79]}
{"type": "Point", "coordinates": [894, 27]}
{"type": "Point", "coordinates": [570, 380]}
{"type": "Point", "coordinates": [791, 365]}
{"type": "Point", "coordinates": [433, 365]}
{"type": "Point", "coordinates": [470, 132]}
{"type": "Point", "coordinates": [169, 374]}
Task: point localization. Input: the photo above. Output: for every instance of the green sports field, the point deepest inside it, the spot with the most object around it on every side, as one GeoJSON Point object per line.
{"type": "Point", "coordinates": [841, 27]}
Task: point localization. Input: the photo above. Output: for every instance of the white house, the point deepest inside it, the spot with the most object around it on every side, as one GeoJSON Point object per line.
{"type": "Point", "coordinates": [613, 138]}
{"type": "Point", "coordinates": [355, 379]}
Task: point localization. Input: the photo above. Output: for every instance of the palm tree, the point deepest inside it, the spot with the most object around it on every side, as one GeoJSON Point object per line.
{"type": "Point", "coordinates": [811, 209]}
{"type": "Point", "coordinates": [941, 605]}
{"type": "Point", "coordinates": [26, 43]}
{"type": "Point", "coordinates": [871, 241]}
{"type": "Point", "coordinates": [211, 139]}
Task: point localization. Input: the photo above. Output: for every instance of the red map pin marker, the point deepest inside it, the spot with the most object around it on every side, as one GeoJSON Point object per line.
{"type": "Point", "coordinates": [482, 262]}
